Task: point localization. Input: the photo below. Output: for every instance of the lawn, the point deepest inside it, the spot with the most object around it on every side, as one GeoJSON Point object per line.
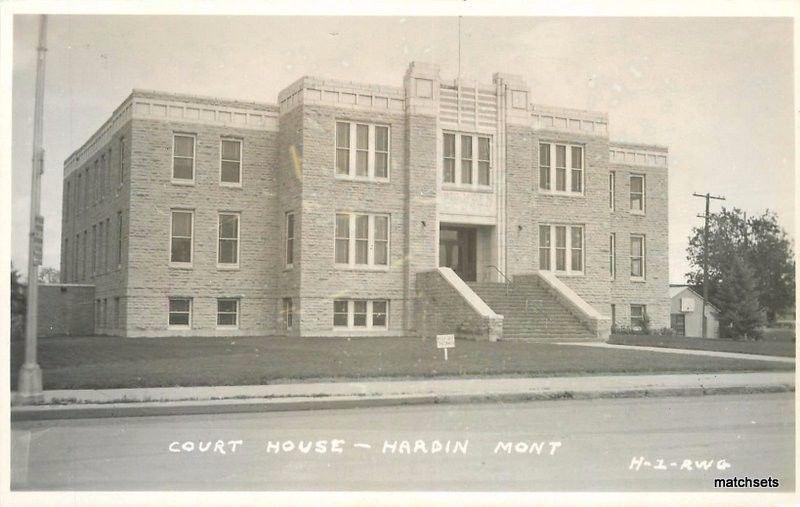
{"type": "Point", "coordinates": [770, 345]}
{"type": "Point", "coordinates": [105, 362]}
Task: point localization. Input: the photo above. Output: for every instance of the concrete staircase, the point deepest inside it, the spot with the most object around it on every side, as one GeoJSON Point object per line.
{"type": "Point", "coordinates": [531, 312]}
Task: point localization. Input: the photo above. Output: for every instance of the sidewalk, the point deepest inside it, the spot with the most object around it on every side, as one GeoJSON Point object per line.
{"type": "Point", "coordinates": [310, 396]}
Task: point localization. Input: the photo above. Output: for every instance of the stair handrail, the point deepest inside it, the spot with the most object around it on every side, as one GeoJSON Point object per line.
{"type": "Point", "coordinates": [501, 274]}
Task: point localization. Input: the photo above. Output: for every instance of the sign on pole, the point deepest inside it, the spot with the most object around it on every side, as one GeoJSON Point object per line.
{"type": "Point", "coordinates": [445, 341]}
{"type": "Point", "coordinates": [38, 239]}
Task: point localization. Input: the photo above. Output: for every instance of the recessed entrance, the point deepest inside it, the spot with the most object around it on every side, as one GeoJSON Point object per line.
{"type": "Point", "coordinates": [458, 251]}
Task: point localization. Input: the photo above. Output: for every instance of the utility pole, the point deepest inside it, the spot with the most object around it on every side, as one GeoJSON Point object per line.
{"type": "Point", "coordinates": [708, 198]}
{"type": "Point", "coordinates": [29, 388]}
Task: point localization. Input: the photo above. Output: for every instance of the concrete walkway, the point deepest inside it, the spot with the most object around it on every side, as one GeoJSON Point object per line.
{"type": "Point", "coordinates": [690, 352]}
{"type": "Point", "coordinates": [305, 396]}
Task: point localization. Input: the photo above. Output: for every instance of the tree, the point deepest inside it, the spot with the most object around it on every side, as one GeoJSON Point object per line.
{"type": "Point", "coordinates": [740, 312]}
{"type": "Point", "coordinates": [772, 259]}
{"type": "Point", "coordinates": [18, 297]}
{"type": "Point", "coordinates": [49, 275]}
{"type": "Point", "coordinates": [18, 304]}
{"type": "Point", "coordinates": [760, 243]}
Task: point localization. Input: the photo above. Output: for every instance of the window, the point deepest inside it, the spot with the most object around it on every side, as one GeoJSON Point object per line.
{"type": "Point", "coordinates": [561, 248]}
{"type": "Point", "coordinates": [544, 247]}
{"type": "Point", "coordinates": [576, 249]}
{"type": "Point", "coordinates": [576, 164]}
{"type": "Point", "coordinates": [180, 312]}
{"type": "Point", "coordinates": [117, 316]}
{"type": "Point", "coordinates": [65, 275]}
{"type": "Point", "coordinates": [637, 257]}
{"type": "Point", "coordinates": [544, 166]}
{"type": "Point", "coordinates": [289, 239]}
{"type": "Point", "coordinates": [567, 172]}
{"type": "Point", "coordinates": [119, 239]}
{"type": "Point", "coordinates": [288, 313]}
{"type": "Point", "coordinates": [612, 188]}
{"type": "Point", "coordinates": [367, 157]}
{"type": "Point", "coordinates": [181, 237]}
{"type": "Point", "coordinates": [484, 161]}
{"type": "Point", "coordinates": [94, 250]}
{"type": "Point", "coordinates": [102, 177]}
{"type": "Point", "coordinates": [79, 193]}
{"type": "Point", "coordinates": [228, 240]}
{"type": "Point", "coordinates": [106, 257]}
{"type": "Point", "coordinates": [612, 256]}
{"type": "Point", "coordinates": [449, 152]}
{"type": "Point", "coordinates": [638, 317]}
{"type": "Point", "coordinates": [230, 164]}
{"type": "Point", "coordinates": [121, 161]}
{"type": "Point", "coordinates": [466, 160]}
{"type": "Point", "coordinates": [360, 314]}
{"type": "Point", "coordinates": [104, 315]}
{"type": "Point", "coordinates": [227, 312]}
{"type": "Point", "coordinates": [183, 157]}
{"type": "Point", "coordinates": [361, 239]}
{"type": "Point", "coordinates": [637, 193]}
{"type": "Point", "coordinates": [459, 153]}
{"type": "Point", "coordinates": [67, 196]}
{"type": "Point", "coordinates": [678, 323]}
{"type": "Point", "coordinates": [85, 257]}
{"type": "Point", "coordinates": [613, 317]}
{"type": "Point", "coordinates": [95, 179]}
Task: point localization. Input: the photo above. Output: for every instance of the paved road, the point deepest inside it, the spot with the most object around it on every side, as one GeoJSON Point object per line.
{"type": "Point", "coordinates": [566, 445]}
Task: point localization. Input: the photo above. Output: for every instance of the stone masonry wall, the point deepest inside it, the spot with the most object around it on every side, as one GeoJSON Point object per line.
{"type": "Point", "coordinates": [89, 209]}
{"type": "Point", "coordinates": [151, 278]}
{"type": "Point", "coordinates": [324, 195]}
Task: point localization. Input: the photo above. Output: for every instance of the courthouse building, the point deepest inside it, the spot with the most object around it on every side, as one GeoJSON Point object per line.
{"type": "Point", "coordinates": [361, 209]}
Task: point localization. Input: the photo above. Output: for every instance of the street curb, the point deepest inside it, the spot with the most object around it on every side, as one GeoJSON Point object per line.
{"type": "Point", "coordinates": [226, 406]}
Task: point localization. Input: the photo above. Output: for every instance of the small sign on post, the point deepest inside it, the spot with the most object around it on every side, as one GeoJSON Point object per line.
{"type": "Point", "coordinates": [445, 341]}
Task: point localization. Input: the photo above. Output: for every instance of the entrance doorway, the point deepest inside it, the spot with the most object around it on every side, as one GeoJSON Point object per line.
{"type": "Point", "coordinates": [457, 250]}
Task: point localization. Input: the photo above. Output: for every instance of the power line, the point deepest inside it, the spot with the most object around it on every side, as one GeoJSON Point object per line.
{"type": "Point", "coordinates": [707, 196]}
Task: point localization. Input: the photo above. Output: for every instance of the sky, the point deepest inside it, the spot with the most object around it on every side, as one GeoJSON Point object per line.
{"type": "Point", "coordinates": [717, 91]}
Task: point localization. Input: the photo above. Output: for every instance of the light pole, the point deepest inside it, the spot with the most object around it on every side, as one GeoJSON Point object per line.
{"type": "Point", "coordinates": [29, 386]}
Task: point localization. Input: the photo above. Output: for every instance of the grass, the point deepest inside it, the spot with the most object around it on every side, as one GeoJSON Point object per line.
{"type": "Point", "coordinates": [106, 362]}
{"type": "Point", "coordinates": [773, 343]}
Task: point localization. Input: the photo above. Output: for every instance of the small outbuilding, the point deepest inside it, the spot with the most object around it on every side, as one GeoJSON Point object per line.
{"type": "Point", "coordinates": [686, 313]}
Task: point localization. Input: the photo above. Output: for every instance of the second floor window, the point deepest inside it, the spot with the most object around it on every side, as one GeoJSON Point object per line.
{"type": "Point", "coordinates": [612, 256]}
{"type": "Point", "coordinates": [289, 239]}
{"type": "Point", "coordinates": [561, 248]}
{"type": "Point", "coordinates": [561, 168]}
{"type": "Point", "coordinates": [362, 151]}
{"type": "Point", "coordinates": [361, 240]}
{"type": "Point", "coordinates": [181, 237]}
{"type": "Point", "coordinates": [612, 188]}
{"type": "Point", "coordinates": [466, 160]}
{"type": "Point", "coordinates": [183, 157]}
{"type": "Point", "coordinates": [637, 257]}
{"type": "Point", "coordinates": [121, 161]}
{"type": "Point", "coordinates": [230, 170]}
{"type": "Point", "coordinates": [637, 193]}
{"type": "Point", "coordinates": [228, 249]}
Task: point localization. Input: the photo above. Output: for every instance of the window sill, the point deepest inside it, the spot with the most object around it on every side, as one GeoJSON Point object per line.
{"type": "Point", "coordinates": [348, 267]}
{"type": "Point", "coordinates": [288, 267]}
{"type": "Point", "coordinates": [228, 267]}
{"type": "Point", "coordinates": [228, 328]}
{"type": "Point", "coordinates": [180, 265]}
{"type": "Point", "coordinates": [179, 328]}
{"type": "Point", "coordinates": [479, 189]}
{"type": "Point", "coordinates": [230, 185]}
{"type": "Point", "coordinates": [558, 193]}
{"type": "Point", "coordinates": [360, 330]}
{"type": "Point", "coordinates": [183, 183]}
{"type": "Point", "coordinates": [567, 274]}
{"type": "Point", "coordinates": [638, 280]}
{"type": "Point", "coordinates": [361, 179]}
{"type": "Point", "coordinates": [637, 213]}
